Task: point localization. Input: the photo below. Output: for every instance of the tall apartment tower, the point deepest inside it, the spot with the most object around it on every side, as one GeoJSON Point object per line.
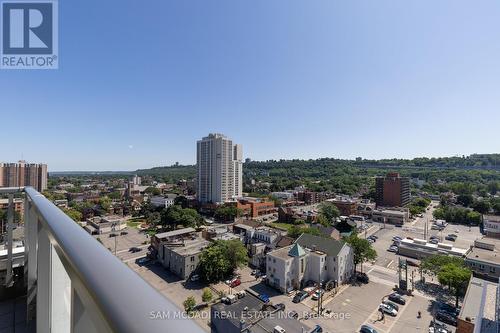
{"type": "Point", "coordinates": [220, 169]}
{"type": "Point", "coordinates": [23, 174]}
{"type": "Point", "coordinates": [392, 190]}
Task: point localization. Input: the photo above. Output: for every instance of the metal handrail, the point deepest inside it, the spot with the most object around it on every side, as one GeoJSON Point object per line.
{"type": "Point", "coordinates": [126, 301]}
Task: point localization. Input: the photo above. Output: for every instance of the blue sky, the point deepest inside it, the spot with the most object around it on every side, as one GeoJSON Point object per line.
{"type": "Point", "coordinates": [140, 81]}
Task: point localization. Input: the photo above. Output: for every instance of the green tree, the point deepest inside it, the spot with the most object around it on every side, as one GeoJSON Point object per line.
{"type": "Point", "coordinates": [465, 199]}
{"type": "Point", "coordinates": [432, 265]}
{"type": "Point", "coordinates": [73, 214]}
{"type": "Point", "coordinates": [221, 258]}
{"type": "Point", "coordinates": [455, 277]}
{"type": "Point", "coordinates": [105, 203]}
{"type": "Point", "coordinates": [228, 213]}
{"type": "Point", "coordinates": [329, 211]}
{"type": "Point", "coordinates": [295, 231]}
{"type": "Point", "coordinates": [481, 206]}
{"type": "Point", "coordinates": [176, 215]}
{"type": "Point", "coordinates": [153, 191]}
{"type": "Point", "coordinates": [189, 304]}
{"type": "Point", "coordinates": [206, 296]}
{"type": "Point", "coordinates": [363, 250]}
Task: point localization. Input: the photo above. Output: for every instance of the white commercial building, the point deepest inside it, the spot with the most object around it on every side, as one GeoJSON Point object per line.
{"type": "Point", "coordinates": [220, 169]}
{"type": "Point", "coordinates": [311, 258]}
{"type": "Point", "coordinates": [163, 202]}
{"type": "Point", "coordinates": [491, 226]}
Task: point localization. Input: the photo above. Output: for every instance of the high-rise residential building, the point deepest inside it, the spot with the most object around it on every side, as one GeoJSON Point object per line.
{"type": "Point", "coordinates": [392, 190]}
{"type": "Point", "coordinates": [220, 169]}
{"type": "Point", "coordinates": [23, 174]}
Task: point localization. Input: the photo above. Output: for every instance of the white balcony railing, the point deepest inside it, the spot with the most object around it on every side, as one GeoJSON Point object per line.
{"type": "Point", "coordinates": [74, 284]}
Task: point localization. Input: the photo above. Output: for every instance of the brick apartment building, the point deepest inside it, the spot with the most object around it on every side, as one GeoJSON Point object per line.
{"type": "Point", "coordinates": [310, 197]}
{"type": "Point", "coordinates": [392, 190]}
{"type": "Point", "coordinates": [23, 174]}
{"type": "Point", "coordinates": [347, 207]}
{"type": "Point", "coordinates": [254, 207]}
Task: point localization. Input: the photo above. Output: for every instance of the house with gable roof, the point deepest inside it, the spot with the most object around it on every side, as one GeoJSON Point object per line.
{"type": "Point", "coordinates": [310, 259]}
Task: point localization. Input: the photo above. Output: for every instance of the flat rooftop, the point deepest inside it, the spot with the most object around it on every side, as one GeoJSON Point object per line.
{"type": "Point", "coordinates": [444, 247]}
{"type": "Point", "coordinates": [190, 247]}
{"type": "Point", "coordinates": [480, 300]}
{"type": "Point", "coordinates": [281, 253]}
{"type": "Point", "coordinates": [175, 233]}
{"type": "Point", "coordinates": [492, 257]}
{"type": "Point", "coordinates": [249, 308]}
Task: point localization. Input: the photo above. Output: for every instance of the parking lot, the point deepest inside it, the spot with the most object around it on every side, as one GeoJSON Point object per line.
{"type": "Point", "coordinates": [123, 243]}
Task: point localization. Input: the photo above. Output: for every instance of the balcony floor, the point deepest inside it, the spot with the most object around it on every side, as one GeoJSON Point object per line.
{"type": "Point", "coordinates": [13, 316]}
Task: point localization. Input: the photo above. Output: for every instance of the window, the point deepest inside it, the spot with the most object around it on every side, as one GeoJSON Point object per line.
{"type": "Point", "coordinates": [192, 258]}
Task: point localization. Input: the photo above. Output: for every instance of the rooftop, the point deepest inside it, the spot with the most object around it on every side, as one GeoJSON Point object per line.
{"type": "Point", "coordinates": [330, 246]}
{"type": "Point", "coordinates": [190, 247]}
{"type": "Point", "coordinates": [296, 251]}
{"type": "Point", "coordinates": [250, 308]}
{"type": "Point", "coordinates": [480, 300]}
{"type": "Point", "coordinates": [282, 253]}
{"type": "Point", "coordinates": [443, 247]}
{"type": "Point", "coordinates": [492, 218]}
{"type": "Point", "coordinates": [482, 254]}
{"type": "Point", "coordinates": [175, 233]}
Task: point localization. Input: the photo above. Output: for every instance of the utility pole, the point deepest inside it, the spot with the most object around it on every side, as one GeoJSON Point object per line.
{"type": "Point", "coordinates": [113, 228]}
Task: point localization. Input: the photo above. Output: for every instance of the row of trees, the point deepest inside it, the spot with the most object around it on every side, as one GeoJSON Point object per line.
{"type": "Point", "coordinates": [419, 205]}
{"type": "Point", "coordinates": [455, 214]}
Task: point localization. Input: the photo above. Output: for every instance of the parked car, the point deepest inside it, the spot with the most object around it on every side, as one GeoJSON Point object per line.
{"type": "Point", "coordinates": [388, 309]}
{"type": "Point", "coordinates": [229, 299]}
{"type": "Point", "coordinates": [394, 305]}
{"type": "Point", "coordinates": [397, 298]}
{"type": "Point", "coordinates": [449, 308]}
{"type": "Point", "coordinates": [446, 317]}
{"type": "Point", "coordinates": [235, 283]}
{"type": "Point", "coordinates": [396, 238]}
{"type": "Point", "coordinates": [134, 249]}
{"type": "Point", "coordinates": [280, 306]}
{"type": "Point", "coordinates": [300, 296]}
{"type": "Point", "coordinates": [317, 294]}
{"type": "Point", "coordinates": [367, 329]}
{"type": "Point", "coordinates": [143, 261]}
{"type": "Point", "coordinates": [433, 241]}
{"type": "Point", "coordinates": [437, 327]}
{"type": "Point", "coordinates": [123, 233]}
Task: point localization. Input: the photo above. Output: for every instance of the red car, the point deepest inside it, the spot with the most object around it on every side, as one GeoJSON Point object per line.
{"type": "Point", "coordinates": [235, 283]}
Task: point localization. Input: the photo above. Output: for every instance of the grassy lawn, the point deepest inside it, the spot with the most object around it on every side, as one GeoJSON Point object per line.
{"type": "Point", "coordinates": [134, 223]}
{"type": "Point", "coordinates": [285, 226]}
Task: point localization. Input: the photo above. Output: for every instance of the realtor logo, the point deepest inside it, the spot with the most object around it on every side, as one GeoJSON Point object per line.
{"type": "Point", "coordinates": [29, 35]}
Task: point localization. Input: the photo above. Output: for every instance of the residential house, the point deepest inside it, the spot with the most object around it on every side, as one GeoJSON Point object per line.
{"type": "Point", "coordinates": [310, 258]}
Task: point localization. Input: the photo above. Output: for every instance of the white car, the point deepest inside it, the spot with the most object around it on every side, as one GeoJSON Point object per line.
{"type": "Point", "coordinates": [388, 309]}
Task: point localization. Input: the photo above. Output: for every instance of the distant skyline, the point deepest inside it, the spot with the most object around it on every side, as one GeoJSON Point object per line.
{"type": "Point", "coordinates": [139, 84]}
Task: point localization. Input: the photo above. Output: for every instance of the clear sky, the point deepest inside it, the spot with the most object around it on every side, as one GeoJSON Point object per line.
{"type": "Point", "coordinates": [140, 81]}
